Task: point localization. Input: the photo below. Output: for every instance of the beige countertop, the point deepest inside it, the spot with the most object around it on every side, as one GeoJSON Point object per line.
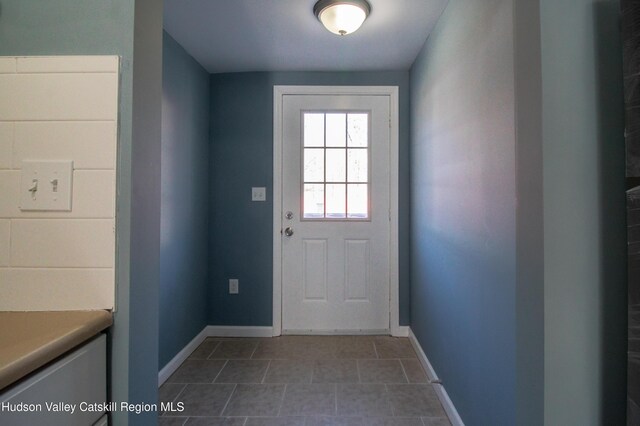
{"type": "Point", "coordinates": [29, 340]}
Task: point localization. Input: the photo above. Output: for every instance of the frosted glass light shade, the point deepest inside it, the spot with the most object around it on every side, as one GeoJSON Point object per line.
{"type": "Point", "coordinates": [342, 17]}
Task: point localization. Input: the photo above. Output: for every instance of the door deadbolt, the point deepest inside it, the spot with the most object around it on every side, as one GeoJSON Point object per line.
{"type": "Point", "coordinates": [288, 215]}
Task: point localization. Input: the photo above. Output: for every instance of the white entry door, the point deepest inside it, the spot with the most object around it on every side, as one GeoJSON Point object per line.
{"type": "Point", "coordinates": [335, 213]}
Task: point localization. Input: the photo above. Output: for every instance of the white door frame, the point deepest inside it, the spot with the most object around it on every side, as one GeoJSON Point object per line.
{"type": "Point", "coordinates": [278, 93]}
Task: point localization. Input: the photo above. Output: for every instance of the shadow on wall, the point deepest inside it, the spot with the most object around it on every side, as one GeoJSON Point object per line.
{"type": "Point", "coordinates": [611, 194]}
{"type": "Point", "coordinates": [631, 40]}
{"type": "Point", "coordinates": [633, 385]}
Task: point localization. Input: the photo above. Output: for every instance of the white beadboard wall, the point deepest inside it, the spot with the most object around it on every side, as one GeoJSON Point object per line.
{"type": "Point", "coordinates": [59, 108]}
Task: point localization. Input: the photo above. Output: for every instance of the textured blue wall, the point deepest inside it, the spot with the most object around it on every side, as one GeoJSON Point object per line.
{"type": "Point", "coordinates": [242, 157]}
{"type": "Point", "coordinates": [184, 244]}
{"type": "Point", "coordinates": [463, 208]}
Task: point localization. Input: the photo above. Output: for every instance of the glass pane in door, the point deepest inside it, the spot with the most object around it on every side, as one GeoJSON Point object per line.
{"type": "Point", "coordinates": [336, 166]}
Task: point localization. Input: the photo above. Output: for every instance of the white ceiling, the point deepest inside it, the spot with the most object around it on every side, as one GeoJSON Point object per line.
{"type": "Point", "coordinates": [284, 35]}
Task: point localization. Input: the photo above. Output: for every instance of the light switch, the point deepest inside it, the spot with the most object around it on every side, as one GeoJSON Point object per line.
{"type": "Point", "coordinates": [259, 194]}
{"type": "Point", "coordinates": [234, 285]}
{"type": "Point", "coordinates": [46, 185]}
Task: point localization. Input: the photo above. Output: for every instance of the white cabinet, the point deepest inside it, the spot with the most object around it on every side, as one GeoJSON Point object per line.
{"type": "Point", "coordinates": [77, 381]}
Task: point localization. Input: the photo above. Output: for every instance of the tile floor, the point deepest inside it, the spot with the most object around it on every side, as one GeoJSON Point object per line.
{"type": "Point", "coordinates": [303, 381]}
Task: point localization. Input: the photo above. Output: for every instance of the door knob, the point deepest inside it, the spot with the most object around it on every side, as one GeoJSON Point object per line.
{"type": "Point", "coordinates": [288, 232]}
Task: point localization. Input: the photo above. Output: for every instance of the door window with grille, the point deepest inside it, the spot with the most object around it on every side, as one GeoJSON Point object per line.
{"type": "Point", "coordinates": [336, 153]}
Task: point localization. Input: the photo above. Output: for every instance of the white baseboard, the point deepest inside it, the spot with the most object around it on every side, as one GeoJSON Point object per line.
{"type": "Point", "coordinates": [443, 396]}
{"type": "Point", "coordinates": [238, 331]}
{"type": "Point", "coordinates": [209, 331]}
{"type": "Point", "coordinates": [400, 331]}
{"type": "Point", "coordinates": [177, 360]}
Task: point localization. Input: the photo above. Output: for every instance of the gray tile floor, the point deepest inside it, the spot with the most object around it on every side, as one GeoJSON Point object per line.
{"type": "Point", "coordinates": [303, 381]}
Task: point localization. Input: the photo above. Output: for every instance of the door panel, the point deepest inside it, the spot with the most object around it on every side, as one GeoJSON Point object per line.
{"type": "Point", "coordinates": [335, 183]}
{"type": "Point", "coordinates": [314, 269]}
{"type": "Point", "coordinates": [357, 268]}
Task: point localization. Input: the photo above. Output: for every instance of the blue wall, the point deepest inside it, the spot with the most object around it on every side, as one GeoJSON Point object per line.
{"type": "Point", "coordinates": [584, 213]}
{"type": "Point", "coordinates": [242, 157]}
{"type": "Point", "coordinates": [184, 207]}
{"type": "Point", "coordinates": [34, 27]}
{"type": "Point", "coordinates": [145, 180]}
{"type": "Point", "coordinates": [529, 303]}
{"type": "Point", "coordinates": [517, 165]}
{"type": "Point", "coordinates": [463, 208]}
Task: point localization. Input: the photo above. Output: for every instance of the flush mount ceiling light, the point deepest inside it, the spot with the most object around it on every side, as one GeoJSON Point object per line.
{"type": "Point", "coordinates": [342, 17]}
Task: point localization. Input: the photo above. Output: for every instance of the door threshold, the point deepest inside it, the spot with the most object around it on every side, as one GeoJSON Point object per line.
{"type": "Point", "coordinates": [381, 332]}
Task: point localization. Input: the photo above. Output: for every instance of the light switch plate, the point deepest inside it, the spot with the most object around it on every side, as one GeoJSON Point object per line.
{"type": "Point", "coordinates": [46, 185]}
{"type": "Point", "coordinates": [234, 285]}
{"type": "Point", "coordinates": [259, 194]}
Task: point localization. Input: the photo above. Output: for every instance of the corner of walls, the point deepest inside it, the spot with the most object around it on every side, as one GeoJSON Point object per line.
{"type": "Point", "coordinates": [184, 261]}
{"type": "Point", "coordinates": [584, 213]}
{"type": "Point", "coordinates": [241, 230]}
{"type": "Point", "coordinates": [242, 157]}
{"type": "Point", "coordinates": [529, 302]}
{"type": "Point", "coordinates": [145, 240]}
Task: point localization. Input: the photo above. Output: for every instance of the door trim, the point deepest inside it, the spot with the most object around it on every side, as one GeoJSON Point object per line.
{"type": "Point", "coordinates": [394, 281]}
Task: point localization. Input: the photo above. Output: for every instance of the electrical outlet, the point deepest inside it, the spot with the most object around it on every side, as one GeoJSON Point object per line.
{"type": "Point", "coordinates": [233, 286]}
{"type": "Point", "coordinates": [259, 193]}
